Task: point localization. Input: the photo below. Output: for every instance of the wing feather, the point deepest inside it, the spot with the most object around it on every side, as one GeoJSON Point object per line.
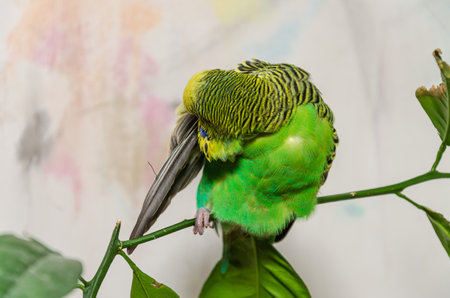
{"type": "Point", "coordinates": [183, 165]}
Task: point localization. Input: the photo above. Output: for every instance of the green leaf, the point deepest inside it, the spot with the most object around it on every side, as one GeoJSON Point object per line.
{"type": "Point", "coordinates": [441, 226]}
{"type": "Point", "coordinates": [435, 104]}
{"type": "Point", "coordinates": [435, 101]}
{"type": "Point", "coordinates": [144, 286]}
{"type": "Point", "coordinates": [29, 269]}
{"type": "Point", "coordinates": [255, 269]}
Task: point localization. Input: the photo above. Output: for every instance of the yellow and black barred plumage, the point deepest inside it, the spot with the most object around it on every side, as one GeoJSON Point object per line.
{"type": "Point", "coordinates": [256, 97]}
{"type": "Point", "coordinates": [290, 79]}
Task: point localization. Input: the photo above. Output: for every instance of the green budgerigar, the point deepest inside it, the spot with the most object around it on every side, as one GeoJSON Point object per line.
{"type": "Point", "coordinates": [265, 140]}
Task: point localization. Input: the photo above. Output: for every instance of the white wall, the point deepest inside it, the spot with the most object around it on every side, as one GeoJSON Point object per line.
{"type": "Point", "coordinates": [87, 94]}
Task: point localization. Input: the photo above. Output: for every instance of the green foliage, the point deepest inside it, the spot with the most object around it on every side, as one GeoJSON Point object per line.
{"type": "Point", "coordinates": [256, 269]}
{"type": "Point", "coordinates": [435, 101]}
{"type": "Point", "coordinates": [441, 226]}
{"type": "Point", "coordinates": [144, 286]}
{"type": "Point", "coordinates": [435, 104]}
{"type": "Point", "coordinates": [29, 269]}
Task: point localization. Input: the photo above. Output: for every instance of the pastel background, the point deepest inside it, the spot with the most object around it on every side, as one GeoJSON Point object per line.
{"type": "Point", "coordinates": [87, 94]}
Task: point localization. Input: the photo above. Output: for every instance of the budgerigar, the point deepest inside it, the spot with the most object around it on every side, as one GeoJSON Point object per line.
{"type": "Point", "coordinates": [265, 140]}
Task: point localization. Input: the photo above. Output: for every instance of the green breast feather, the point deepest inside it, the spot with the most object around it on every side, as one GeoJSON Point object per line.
{"type": "Point", "coordinates": [269, 141]}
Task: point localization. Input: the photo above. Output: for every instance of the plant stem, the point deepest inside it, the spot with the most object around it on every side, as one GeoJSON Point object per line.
{"type": "Point", "coordinates": [401, 195]}
{"type": "Point", "coordinates": [83, 281]}
{"type": "Point", "coordinates": [439, 155]}
{"type": "Point", "coordinates": [128, 260]}
{"type": "Point", "coordinates": [115, 246]}
{"type": "Point", "coordinates": [389, 189]}
{"type": "Point", "coordinates": [437, 55]}
{"type": "Point", "coordinates": [171, 229]}
{"type": "Point", "coordinates": [94, 285]}
{"type": "Point", "coordinates": [81, 287]}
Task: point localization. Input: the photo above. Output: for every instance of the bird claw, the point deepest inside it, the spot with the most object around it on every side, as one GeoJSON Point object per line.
{"type": "Point", "coordinates": [202, 220]}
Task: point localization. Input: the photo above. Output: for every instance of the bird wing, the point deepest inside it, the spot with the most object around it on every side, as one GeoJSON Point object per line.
{"type": "Point", "coordinates": [184, 163]}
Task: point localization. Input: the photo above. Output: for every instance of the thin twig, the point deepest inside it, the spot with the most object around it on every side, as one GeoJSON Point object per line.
{"type": "Point", "coordinates": [81, 287]}
{"type": "Point", "coordinates": [390, 189]}
{"type": "Point", "coordinates": [83, 280]}
{"type": "Point", "coordinates": [439, 155]}
{"type": "Point", "coordinates": [403, 196]}
{"type": "Point", "coordinates": [437, 55]}
{"type": "Point", "coordinates": [115, 246]}
{"type": "Point", "coordinates": [128, 260]}
{"type": "Point", "coordinates": [163, 232]}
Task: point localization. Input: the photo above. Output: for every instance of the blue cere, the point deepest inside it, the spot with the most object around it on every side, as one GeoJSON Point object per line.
{"type": "Point", "coordinates": [203, 132]}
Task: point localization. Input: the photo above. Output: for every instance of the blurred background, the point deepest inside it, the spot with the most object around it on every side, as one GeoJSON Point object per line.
{"type": "Point", "coordinates": [87, 95]}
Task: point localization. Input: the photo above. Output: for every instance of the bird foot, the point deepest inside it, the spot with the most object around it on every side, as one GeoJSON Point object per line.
{"type": "Point", "coordinates": [202, 220]}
